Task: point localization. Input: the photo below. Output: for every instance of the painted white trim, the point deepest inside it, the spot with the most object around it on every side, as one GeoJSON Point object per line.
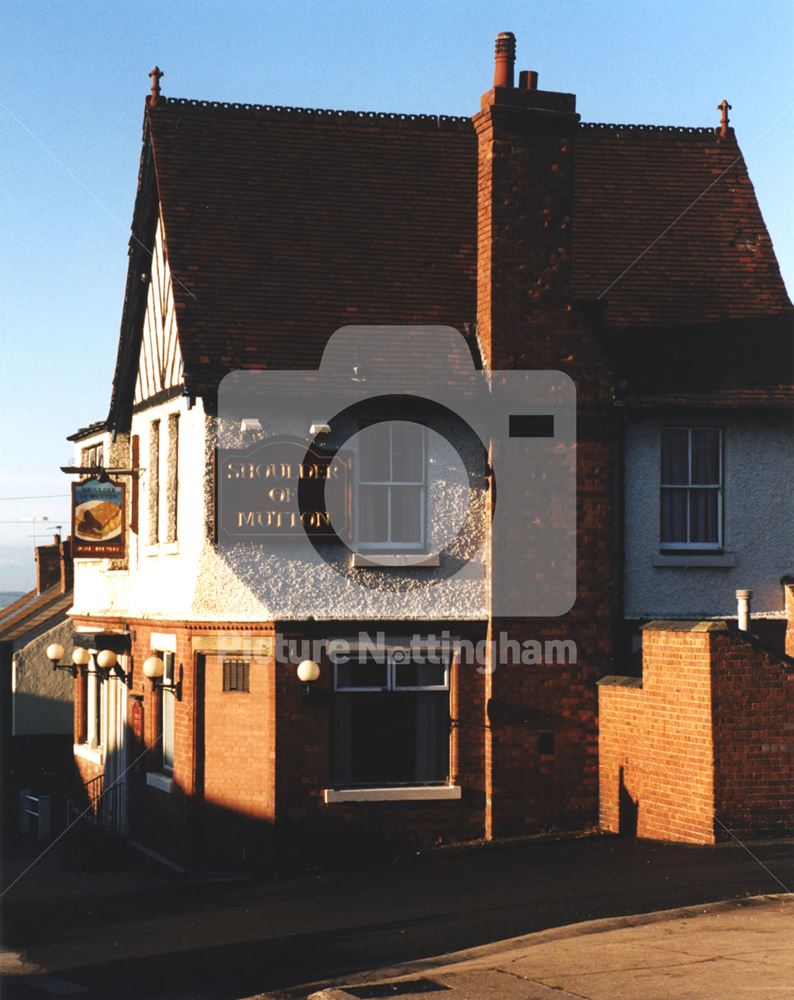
{"type": "Point", "coordinates": [394, 560]}
{"type": "Point", "coordinates": [404, 794]}
{"type": "Point", "coordinates": [163, 642]}
{"type": "Point", "coordinates": [233, 642]}
{"type": "Point", "coordinates": [86, 752]}
{"type": "Point", "coordinates": [724, 560]}
{"type": "Point", "coordinates": [157, 780]}
{"type": "Point", "coordinates": [161, 549]}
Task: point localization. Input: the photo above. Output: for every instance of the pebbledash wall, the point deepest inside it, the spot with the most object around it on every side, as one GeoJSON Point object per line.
{"type": "Point", "coordinates": [758, 522]}
{"type": "Point", "coordinates": [701, 745]}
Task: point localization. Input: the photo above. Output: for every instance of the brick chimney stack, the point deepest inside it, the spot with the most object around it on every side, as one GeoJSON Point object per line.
{"type": "Point", "coordinates": [527, 319]}
{"type": "Point", "coordinates": [54, 565]}
{"type": "Point", "coordinates": [525, 203]}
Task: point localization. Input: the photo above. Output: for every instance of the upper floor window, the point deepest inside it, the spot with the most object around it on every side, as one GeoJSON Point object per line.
{"type": "Point", "coordinates": [691, 488]}
{"type": "Point", "coordinates": [93, 456]}
{"type": "Point", "coordinates": [172, 482]}
{"type": "Point", "coordinates": [392, 486]}
{"type": "Point", "coordinates": [154, 482]}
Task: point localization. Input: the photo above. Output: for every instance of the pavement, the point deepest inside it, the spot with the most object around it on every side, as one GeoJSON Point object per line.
{"type": "Point", "coordinates": [732, 949]}
{"type": "Point", "coordinates": [126, 928]}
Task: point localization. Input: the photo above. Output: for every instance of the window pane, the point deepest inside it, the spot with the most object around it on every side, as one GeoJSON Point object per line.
{"type": "Point", "coordinates": [675, 462]}
{"type": "Point", "coordinates": [407, 452]}
{"type": "Point", "coordinates": [406, 514]}
{"type": "Point", "coordinates": [420, 675]}
{"type": "Point", "coordinates": [705, 455]}
{"type": "Point", "coordinates": [374, 739]}
{"type": "Point", "coordinates": [703, 515]}
{"type": "Point", "coordinates": [674, 507]}
{"type": "Point", "coordinates": [362, 675]}
{"type": "Point", "coordinates": [374, 453]}
{"type": "Point", "coordinates": [388, 738]}
{"type": "Point", "coordinates": [432, 737]}
{"type": "Point", "coordinates": [168, 703]}
{"type": "Point", "coordinates": [373, 517]}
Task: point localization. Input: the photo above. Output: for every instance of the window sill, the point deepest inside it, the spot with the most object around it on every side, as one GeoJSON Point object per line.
{"type": "Point", "coordinates": [157, 780]}
{"type": "Point", "coordinates": [720, 560]}
{"type": "Point", "coordinates": [389, 560]}
{"type": "Point", "coordinates": [161, 549]}
{"type": "Point", "coordinates": [86, 752]}
{"type": "Point", "coordinates": [405, 794]}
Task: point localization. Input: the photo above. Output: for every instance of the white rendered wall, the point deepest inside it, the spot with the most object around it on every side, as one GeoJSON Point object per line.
{"type": "Point", "coordinates": [758, 458]}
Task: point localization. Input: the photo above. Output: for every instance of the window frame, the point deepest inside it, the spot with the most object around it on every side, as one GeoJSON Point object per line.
{"type": "Point", "coordinates": [719, 487]}
{"type": "Point", "coordinates": [389, 546]}
{"type": "Point", "coordinates": [167, 697]}
{"type": "Point", "coordinates": [402, 657]}
{"type": "Point", "coordinates": [391, 675]}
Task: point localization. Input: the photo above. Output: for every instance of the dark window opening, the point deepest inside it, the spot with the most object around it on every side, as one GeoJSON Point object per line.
{"type": "Point", "coordinates": [391, 723]}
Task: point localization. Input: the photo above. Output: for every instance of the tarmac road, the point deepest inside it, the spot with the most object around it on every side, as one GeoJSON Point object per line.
{"type": "Point", "coordinates": [158, 937]}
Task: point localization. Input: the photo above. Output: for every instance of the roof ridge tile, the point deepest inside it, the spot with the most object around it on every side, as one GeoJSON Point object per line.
{"type": "Point", "coordinates": [660, 129]}
{"type": "Point", "coordinates": [289, 112]}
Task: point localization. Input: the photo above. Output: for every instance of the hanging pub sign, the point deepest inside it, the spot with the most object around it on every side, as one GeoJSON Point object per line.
{"type": "Point", "coordinates": [280, 488]}
{"type": "Point", "coordinates": [98, 522]}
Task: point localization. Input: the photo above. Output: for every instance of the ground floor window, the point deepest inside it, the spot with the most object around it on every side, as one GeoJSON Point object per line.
{"type": "Point", "coordinates": [391, 721]}
{"type": "Point", "coordinates": [167, 707]}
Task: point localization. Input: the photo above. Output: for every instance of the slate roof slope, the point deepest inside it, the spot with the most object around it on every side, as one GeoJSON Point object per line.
{"type": "Point", "coordinates": [283, 224]}
{"type": "Point", "coordinates": [32, 611]}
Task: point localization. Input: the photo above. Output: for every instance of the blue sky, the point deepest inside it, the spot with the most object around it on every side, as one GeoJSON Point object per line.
{"type": "Point", "coordinates": [74, 82]}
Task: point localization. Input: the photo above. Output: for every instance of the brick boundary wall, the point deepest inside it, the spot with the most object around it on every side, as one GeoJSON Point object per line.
{"type": "Point", "coordinates": [707, 732]}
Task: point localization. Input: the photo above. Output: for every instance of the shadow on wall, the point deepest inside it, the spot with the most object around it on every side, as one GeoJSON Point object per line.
{"type": "Point", "coordinates": [628, 809]}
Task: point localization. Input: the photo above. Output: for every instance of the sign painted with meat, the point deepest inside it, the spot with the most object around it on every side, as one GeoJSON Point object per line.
{"type": "Point", "coordinates": [98, 521]}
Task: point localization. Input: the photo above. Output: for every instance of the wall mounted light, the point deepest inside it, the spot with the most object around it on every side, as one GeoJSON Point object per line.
{"type": "Point", "coordinates": [154, 670]}
{"type": "Point", "coordinates": [106, 662]}
{"type": "Point", "coordinates": [80, 658]}
{"type": "Point", "coordinates": [308, 672]}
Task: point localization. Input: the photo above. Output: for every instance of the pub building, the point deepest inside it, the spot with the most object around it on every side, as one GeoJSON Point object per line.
{"type": "Point", "coordinates": [520, 240]}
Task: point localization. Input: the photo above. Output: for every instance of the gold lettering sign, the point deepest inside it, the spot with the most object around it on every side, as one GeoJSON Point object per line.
{"type": "Point", "coordinates": [281, 489]}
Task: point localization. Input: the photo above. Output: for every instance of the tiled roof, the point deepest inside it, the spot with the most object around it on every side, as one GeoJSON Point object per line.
{"type": "Point", "coordinates": [671, 218]}
{"type": "Point", "coordinates": [283, 224]}
{"type": "Point", "coordinates": [33, 610]}
{"type": "Point", "coordinates": [84, 432]}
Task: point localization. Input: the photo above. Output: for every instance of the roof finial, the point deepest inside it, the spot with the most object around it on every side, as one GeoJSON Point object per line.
{"type": "Point", "coordinates": [723, 107]}
{"type": "Point", "coordinates": [155, 74]}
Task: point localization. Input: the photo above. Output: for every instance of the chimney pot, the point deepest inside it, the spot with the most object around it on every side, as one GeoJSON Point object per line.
{"type": "Point", "coordinates": [505, 60]}
{"type": "Point", "coordinates": [528, 79]}
{"type": "Point", "coordinates": [743, 598]}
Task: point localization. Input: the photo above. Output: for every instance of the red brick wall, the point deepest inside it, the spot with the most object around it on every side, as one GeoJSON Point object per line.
{"type": "Point", "coordinates": [708, 733]}
{"type": "Point", "coordinates": [177, 824]}
{"type": "Point", "coordinates": [753, 706]}
{"type": "Point", "coordinates": [304, 753]}
{"type": "Point", "coordinates": [655, 741]}
{"type": "Point", "coordinates": [527, 319]}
